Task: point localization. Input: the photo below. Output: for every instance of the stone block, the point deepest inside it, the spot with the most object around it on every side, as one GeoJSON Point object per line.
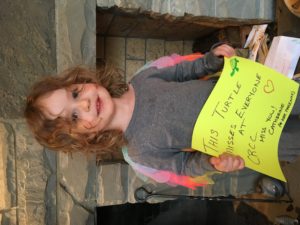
{"type": "Point", "coordinates": [79, 216]}
{"type": "Point", "coordinates": [77, 186]}
{"type": "Point", "coordinates": [73, 211]}
{"type": "Point", "coordinates": [154, 49]}
{"type": "Point", "coordinates": [135, 49]}
{"type": "Point", "coordinates": [32, 173]}
{"type": "Point", "coordinates": [75, 23]}
{"type": "Point", "coordinates": [25, 178]}
{"type": "Point", "coordinates": [7, 175]}
{"type": "Point", "coordinates": [173, 47]}
{"type": "Point", "coordinates": [132, 66]}
{"type": "Point", "coordinates": [187, 47]}
{"type": "Point", "coordinates": [27, 50]}
{"type": "Point", "coordinates": [64, 218]}
{"type": "Point", "coordinates": [75, 33]}
{"type": "Point", "coordinates": [115, 51]}
{"type": "Point", "coordinates": [112, 184]}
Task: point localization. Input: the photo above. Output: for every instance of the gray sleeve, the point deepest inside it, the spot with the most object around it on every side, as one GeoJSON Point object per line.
{"type": "Point", "coordinates": [196, 164]}
{"type": "Point", "coordinates": [192, 70]}
{"type": "Point", "coordinates": [182, 163]}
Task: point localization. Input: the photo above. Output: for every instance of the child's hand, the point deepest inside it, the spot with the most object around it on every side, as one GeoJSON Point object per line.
{"type": "Point", "coordinates": [227, 162]}
{"type": "Point", "coordinates": [224, 50]}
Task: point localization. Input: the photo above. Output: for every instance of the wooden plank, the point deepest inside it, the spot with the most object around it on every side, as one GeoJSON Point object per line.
{"type": "Point", "coordinates": [122, 26]}
{"type": "Point", "coordinates": [103, 21]}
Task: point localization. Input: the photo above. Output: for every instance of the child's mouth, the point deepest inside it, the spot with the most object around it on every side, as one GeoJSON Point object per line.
{"type": "Point", "coordinates": [98, 106]}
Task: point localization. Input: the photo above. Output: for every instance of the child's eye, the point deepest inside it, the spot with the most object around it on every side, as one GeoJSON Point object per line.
{"type": "Point", "coordinates": [75, 93]}
{"type": "Point", "coordinates": [74, 116]}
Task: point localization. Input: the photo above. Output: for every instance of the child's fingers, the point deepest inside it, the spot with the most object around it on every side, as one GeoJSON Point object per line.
{"type": "Point", "coordinates": [227, 162]}
{"type": "Point", "coordinates": [238, 163]}
{"type": "Point", "coordinates": [232, 162]}
{"type": "Point", "coordinates": [227, 51]}
{"type": "Point", "coordinates": [224, 50]}
{"type": "Point", "coordinates": [220, 163]}
{"type": "Point", "coordinates": [241, 163]}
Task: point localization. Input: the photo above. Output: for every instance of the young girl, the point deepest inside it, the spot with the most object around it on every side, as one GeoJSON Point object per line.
{"type": "Point", "coordinates": [153, 115]}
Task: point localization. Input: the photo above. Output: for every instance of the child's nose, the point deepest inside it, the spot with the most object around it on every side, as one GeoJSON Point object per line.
{"type": "Point", "coordinates": [85, 105]}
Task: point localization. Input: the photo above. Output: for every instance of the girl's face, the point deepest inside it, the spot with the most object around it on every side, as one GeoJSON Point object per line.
{"type": "Point", "coordinates": [89, 106]}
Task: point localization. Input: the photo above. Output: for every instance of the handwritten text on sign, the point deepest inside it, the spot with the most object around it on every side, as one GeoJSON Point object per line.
{"type": "Point", "coordinates": [245, 115]}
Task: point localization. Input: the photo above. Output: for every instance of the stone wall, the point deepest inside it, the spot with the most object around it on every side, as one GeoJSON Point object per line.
{"type": "Point", "coordinates": [27, 51]}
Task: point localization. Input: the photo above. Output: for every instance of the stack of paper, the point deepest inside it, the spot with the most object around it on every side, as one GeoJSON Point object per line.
{"type": "Point", "coordinates": [283, 55]}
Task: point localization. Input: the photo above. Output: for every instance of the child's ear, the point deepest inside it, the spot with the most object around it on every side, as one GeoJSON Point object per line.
{"type": "Point", "coordinates": [84, 127]}
{"type": "Point", "coordinates": [81, 128]}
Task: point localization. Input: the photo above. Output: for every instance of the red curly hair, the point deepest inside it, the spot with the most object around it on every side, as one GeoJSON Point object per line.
{"type": "Point", "coordinates": [57, 134]}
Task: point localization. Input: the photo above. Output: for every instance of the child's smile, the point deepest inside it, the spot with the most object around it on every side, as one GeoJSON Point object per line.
{"type": "Point", "coordinates": [98, 106]}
